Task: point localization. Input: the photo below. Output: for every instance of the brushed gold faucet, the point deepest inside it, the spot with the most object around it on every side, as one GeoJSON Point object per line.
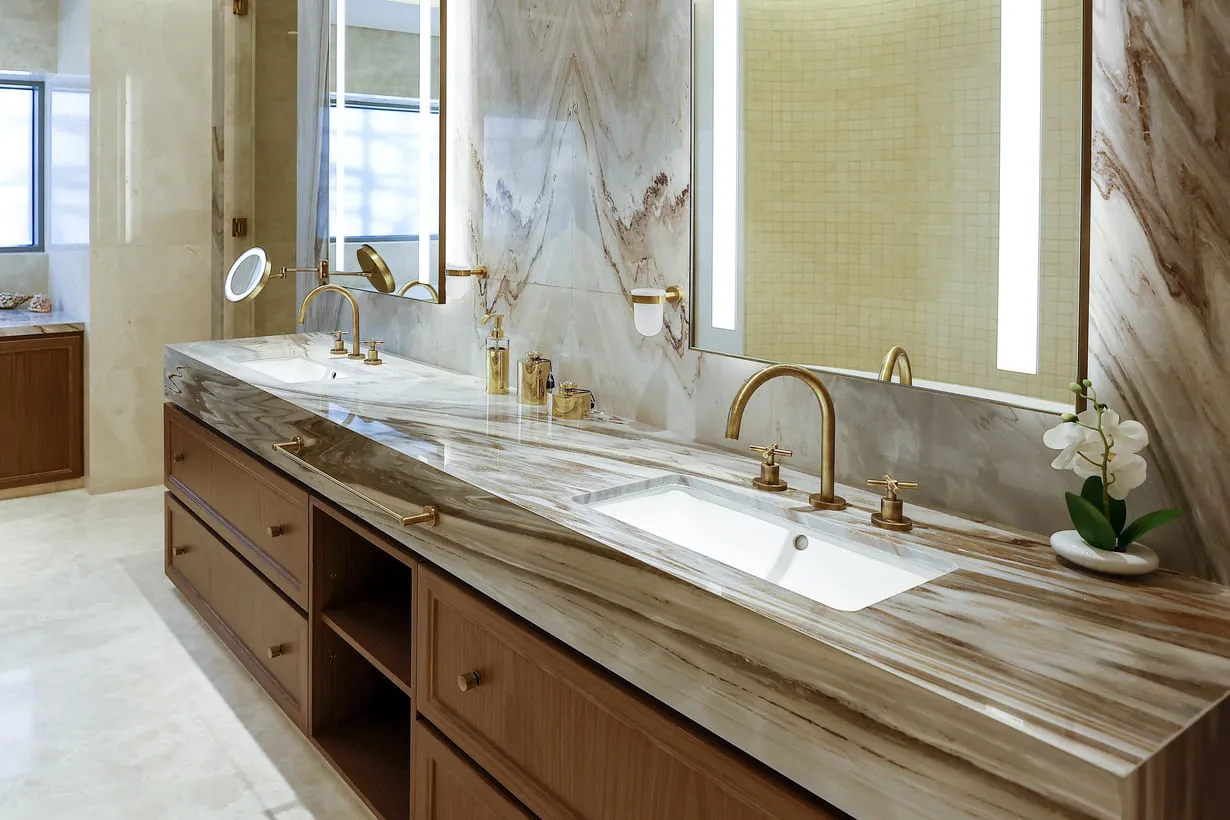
{"type": "Point", "coordinates": [354, 310]}
{"type": "Point", "coordinates": [897, 354]}
{"type": "Point", "coordinates": [826, 499]}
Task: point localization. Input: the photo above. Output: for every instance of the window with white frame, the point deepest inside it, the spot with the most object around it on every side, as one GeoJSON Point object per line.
{"type": "Point", "coordinates": [21, 165]}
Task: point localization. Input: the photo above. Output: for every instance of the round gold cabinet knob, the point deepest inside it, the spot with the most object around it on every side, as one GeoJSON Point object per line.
{"type": "Point", "coordinates": [179, 550]}
{"type": "Point", "coordinates": [276, 531]}
{"type": "Point", "coordinates": [178, 458]}
{"type": "Point", "coordinates": [468, 681]}
{"type": "Point", "coordinates": [276, 651]}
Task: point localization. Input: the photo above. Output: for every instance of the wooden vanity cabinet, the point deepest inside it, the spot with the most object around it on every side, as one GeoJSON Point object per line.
{"type": "Point", "coordinates": [565, 738]}
{"type": "Point", "coordinates": [42, 423]}
{"type": "Point", "coordinates": [430, 700]}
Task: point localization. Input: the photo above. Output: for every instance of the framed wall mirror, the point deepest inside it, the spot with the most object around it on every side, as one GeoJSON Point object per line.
{"type": "Point", "coordinates": [896, 190]}
{"type": "Point", "coordinates": [383, 145]}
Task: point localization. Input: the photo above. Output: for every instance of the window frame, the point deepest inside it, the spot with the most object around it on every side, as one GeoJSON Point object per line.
{"type": "Point", "coordinates": [372, 102]}
{"type": "Point", "coordinates": [38, 148]}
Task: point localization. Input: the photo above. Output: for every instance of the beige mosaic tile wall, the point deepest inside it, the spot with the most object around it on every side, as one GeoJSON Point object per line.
{"type": "Point", "coordinates": [871, 187]}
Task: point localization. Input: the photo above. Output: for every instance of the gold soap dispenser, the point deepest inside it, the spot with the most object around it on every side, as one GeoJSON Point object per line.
{"type": "Point", "coordinates": [497, 357]}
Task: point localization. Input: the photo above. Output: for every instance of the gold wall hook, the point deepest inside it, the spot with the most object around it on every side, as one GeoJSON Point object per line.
{"type": "Point", "coordinates": [479, 272]}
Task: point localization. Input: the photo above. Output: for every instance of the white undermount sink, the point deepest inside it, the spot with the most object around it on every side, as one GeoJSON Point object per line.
{"type": "Point", "coordinates": [295, 370]}
{"type": "Point", "coordinates": [846, 573]}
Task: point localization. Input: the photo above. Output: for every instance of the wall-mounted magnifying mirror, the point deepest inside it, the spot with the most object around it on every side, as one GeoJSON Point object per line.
{"type": "Point", "coordinates": [253, 269]}
{"type": "Point", "coordinates": [248, 276]}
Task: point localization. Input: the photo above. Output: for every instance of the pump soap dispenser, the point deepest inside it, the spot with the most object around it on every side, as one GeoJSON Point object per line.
{"type": "Point", "coordinates": [497, 357]}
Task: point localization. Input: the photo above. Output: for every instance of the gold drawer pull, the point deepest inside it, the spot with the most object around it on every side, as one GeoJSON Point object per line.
{"type": "Point", "coordinates": [178, 458]}
{"type": "Point", "coordinates": [276, 531]}
{"type": "Point", "coordinates": [179, 550]}
{"type": "Point", "coordinates": [468, 681]}
{"type": "Point", "coordinates": [429, 516]}
{"type": "Point", "coordinates": [276, 651]}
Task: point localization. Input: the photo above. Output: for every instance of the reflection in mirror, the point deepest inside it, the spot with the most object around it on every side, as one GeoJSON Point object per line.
{"type": "Point", "coordinates": [384, 141]}
{"type": "Point", "coordinates": [248, 276]}
{"type": "Point", "coordinates": [872, 176]}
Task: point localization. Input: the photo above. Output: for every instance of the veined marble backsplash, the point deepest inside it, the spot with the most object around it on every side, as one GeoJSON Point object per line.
{"type": "Point", "coordinates": [580, 143]}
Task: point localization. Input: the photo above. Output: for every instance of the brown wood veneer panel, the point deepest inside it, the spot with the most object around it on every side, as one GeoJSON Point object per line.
{"type": "Point", "coordinates": [42, 423]}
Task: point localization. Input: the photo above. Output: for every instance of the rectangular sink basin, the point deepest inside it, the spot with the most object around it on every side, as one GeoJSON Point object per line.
{"type": "Point", "coordinates": [846, 573]}
{"type": "Point", "coordinates": [295, 370]}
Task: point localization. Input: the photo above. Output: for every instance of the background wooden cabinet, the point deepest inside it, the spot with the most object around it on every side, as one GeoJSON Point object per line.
{"type": "Point", "coordinates": [41, 416]}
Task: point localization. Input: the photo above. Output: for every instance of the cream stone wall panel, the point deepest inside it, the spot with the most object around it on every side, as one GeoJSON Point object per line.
{"type": "Point", "coordinates": [152, 233]}
{"type": "Point", "coordinates": [29, 35]}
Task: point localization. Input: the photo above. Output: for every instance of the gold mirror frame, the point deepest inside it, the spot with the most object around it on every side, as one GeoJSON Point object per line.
{"type": "Point", "coordinates": [1083, 296]}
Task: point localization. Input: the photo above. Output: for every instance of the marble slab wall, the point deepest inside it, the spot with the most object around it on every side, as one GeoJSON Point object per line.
{"type": "Point", "coordinates": [581, 147]}
{"type": "Point", "coordinates": [1160, 324]}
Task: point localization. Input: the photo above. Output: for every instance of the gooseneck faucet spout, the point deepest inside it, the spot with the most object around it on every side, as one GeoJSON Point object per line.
{"type": "Point", "coordinates": [826, 499]}
{"type": "Point", "coordinates": [895, 355]}
{"type": "Point", "coordinates": [354, 311]}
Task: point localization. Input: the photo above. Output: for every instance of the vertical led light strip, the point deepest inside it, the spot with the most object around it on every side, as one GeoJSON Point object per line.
{"type": "Point", "coordinates": [728, 96]}
{"type": "Point", "coordinates": [337, 148]}
{"type": "Point", "coordinates": [1020, 183]}
{"type": "Point", "coordinates": [428, 135]}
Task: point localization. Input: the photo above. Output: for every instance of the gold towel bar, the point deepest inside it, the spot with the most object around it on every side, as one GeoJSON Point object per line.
{"type": "Point", "coordinates": [429, 516]}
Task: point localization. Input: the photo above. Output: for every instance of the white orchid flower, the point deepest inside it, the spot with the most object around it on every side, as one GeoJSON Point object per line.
{"type": "Point", "coordinates": [1075, 442]}
{"type": "Point", "coordinates": [1100, 443]}
{"type": "Point", "coordinates": [1125, 437]}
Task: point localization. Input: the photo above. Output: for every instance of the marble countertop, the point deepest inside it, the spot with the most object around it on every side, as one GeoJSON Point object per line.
{"type": "Point", "coordinates": [22, 322]}
{"type": "Point", "coordinates": [1014, 686]}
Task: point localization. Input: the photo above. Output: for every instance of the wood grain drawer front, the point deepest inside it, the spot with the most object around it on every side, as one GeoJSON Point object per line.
{"type": "Point", "coordinates": [260, 513]}
{"type": "Point", "coordinates": [188, 546]}
{"type": "Point", "coordinates": [565, 739]}
{"type": "Point", "coordinates": [448, 787]}
{"type": "Point", "coordinates": [266, 632]}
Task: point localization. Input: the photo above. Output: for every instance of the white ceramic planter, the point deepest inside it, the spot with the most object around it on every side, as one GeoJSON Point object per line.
{"type": "Point", "coordinates": [1138, 560]}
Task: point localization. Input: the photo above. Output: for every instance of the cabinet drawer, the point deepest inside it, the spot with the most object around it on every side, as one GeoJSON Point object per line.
{"type": "Point", "coordinates": [566, 739]}
{"type": "Point", "coordinates": [261, 514]}
{"type": "Point", "coordinates": [448, 787]}
{"type": "Point", "coordinates": [267, 634]}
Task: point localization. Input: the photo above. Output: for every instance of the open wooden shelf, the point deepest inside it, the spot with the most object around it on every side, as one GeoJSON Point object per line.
{"type": "Point", "coordinates": [379, 629]}
{"type": "Point", "coordinates": [371, 749]}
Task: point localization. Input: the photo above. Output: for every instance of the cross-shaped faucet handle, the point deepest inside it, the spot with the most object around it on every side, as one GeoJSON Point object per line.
{"type": "Point", "coordinates": [771, 452]}
{"type": "Point", "coordinates": [892, 485]}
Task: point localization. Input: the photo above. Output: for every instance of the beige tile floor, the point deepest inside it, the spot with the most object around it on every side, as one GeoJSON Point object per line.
{"type": "Point", "coordinates": [115, 701]}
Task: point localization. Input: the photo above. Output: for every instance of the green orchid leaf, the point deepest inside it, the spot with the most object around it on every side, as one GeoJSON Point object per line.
{"type": "Point", "coordinates": [1090, 523]}
{"type": "Point", "coordinates": [1144, 524]}
{"type": "Point", "coordinates": [1092, 492]}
